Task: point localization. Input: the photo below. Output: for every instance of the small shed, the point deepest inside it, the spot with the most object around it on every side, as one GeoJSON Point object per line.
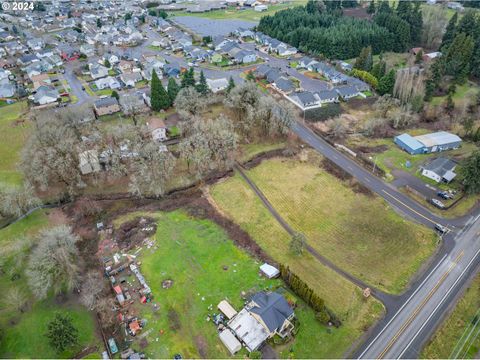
{"type": "Point", "coordinates": [225, 307]}
{"type": "Point", "coordinates": [269, 270]}
{"type": "Point", "coordinates": [230, 341]}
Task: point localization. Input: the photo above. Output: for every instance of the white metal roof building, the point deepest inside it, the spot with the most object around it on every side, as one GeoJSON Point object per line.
{"type": "Point", "coordinates": [230, 341]}
{"type": "Point", "coordinates": [248, 330]}
{"type": "Point", "coordinates": [269, 270]}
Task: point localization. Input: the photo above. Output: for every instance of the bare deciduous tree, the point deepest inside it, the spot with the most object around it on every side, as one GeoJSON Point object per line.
{"type": "Point", "coordinates": [434, 23]}
{"type": "Point", "coordinates": [91, 289]}
{"type": "Point", "coordinates": [189, 102]}
{"type": "Point", "coordinates": [15, 299]}
{"type": "Point", "coordinates": [211, 145]}
{"type": "Point", "coordinates": [17, 201]}
{"type": "Point", "coordinates": [53, 262]}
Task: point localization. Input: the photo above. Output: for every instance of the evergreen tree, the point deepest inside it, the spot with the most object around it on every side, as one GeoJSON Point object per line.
{"type": "Point", "coordinates": [115, 95]}
{"type": "Point", "coordinates": [384, 7]}
{"type": "Point", "coordinates": [364, 60]}
{"type": "Point", "coordinates": [449, 104]}
{"type": "Point", "coordinates": [470, 173]}
{"type": "Point", "coordinates": [172, 90]}
{"type": "Point", "coordinates": [188, 78]}
{"type": "Point", "coordinates": [99, 23]}
{"type": "Point", "coordinates": [386, 83]}
{"type": "Point", "coordinates": [61, 333]}
{"type": "Point", "coordinates": [107, 64]}
{"type": "Point", "coordinates": [371, 7]}
{"type": "Point", "coordinates": [159, 98]}
{"type": "Point", "coordinates": [202, 86]}
{"type": "Point", "coordinates": [231, 85]}
{"type": "Point", "coordinates": [458, 57]}
{"type": "Point", "coordinates": [468, 24]}
{"type": "Point", "coordinates": [379, 69]}
{"type": "Point", "coordinates": [449, 32]}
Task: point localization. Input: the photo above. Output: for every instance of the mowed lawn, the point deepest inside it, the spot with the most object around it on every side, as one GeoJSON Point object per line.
{"type": "Point", "coordinates": [238, 202]}
{"type": "Point", "coordinates": [359, 233]}
{"type": "Point", "coordinates": [12, 138]}
{"type": "Point", "coordinates": [23, 332]}
{"type": "Point", "coordinates": [453, 333]}
{"type": "Point", "coordinates": [206, 267]}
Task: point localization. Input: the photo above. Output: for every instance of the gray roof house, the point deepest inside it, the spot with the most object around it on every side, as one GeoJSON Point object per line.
{"type": "Point", "coordinates": [347, 92]}
{"type": "Point", "coordinates": [262, 70]}
{"type": "Point", "coordinates": [440, 169]}
{"type": "Point", "coordinates": [245, 57]}
{"type": "Point", "coordinates": [7, 90]}
{"type": "Point", "coordinates": [45, 95]}
{"type": "Point", "coordinates": [305, 100]}
{"type": "Point", "coordinates": [98, 71]}
{"type": "Point", "coordinates": [327, 96]}
{"type": "Point", "coordinates": [266, 315]}
{"type": "Point", "coordinates": [284, 85]}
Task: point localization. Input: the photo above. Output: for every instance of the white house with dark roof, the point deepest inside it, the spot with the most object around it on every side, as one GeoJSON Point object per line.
{"type": "Point", "coordinates": [266, 315]}
{"type": "Point", "coordinates": [440, 170]}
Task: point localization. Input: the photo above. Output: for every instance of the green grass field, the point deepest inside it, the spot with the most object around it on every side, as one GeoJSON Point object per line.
{"type": "Point", "coordinates": [462, 95]}
{"type": "Point", "coordinates": [23, 332]}
{"type": "Point", "coordinates": [454, 330]}
{"type": "Point", "coordinates": [13, 136]}
{"type": "Point", "coordinates": [193, 253]}
{"type": "Point", "coordinates": [247, 14]}
{"type": "Point", "coordinates": [237, 201]}
{"type": "Point", "coordinates": [357, 232]}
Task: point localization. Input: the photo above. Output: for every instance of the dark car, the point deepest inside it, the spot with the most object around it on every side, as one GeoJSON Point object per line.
{"type": "Point", "coordinates": [443, 195]}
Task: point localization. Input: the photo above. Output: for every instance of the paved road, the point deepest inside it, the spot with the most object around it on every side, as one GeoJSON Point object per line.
{"type": "Point", "coordinates": [76, 86]}
{"type": "Point", "coordinates": [404, 332]}
{"type": "Point", "coordinates": [412, 317]}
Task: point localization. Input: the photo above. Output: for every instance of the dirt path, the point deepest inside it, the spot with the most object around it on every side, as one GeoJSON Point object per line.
{"type": "Point", "coordinates": [380, 295]}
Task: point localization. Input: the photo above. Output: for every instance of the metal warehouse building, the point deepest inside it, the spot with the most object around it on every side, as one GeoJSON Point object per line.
{"type": "Point", "coordinates": [428, 143]}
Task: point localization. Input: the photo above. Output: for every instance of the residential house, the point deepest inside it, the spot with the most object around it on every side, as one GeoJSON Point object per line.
{"type": "Point", "coordinates": [347, 92]}
{"type": "Point", "coordinates": [266, 315]}
{"type": "Point", "coordinates": [244, 33]}
{"type": "Point", "coordinates": [105, 106]}
{"type": "Point", "coordinates": [7, 90]}
{"type": "Point", "coordinates": [156, 65]}
{"type": "Point", "coordinates": [327, 96]}
{"type": "Point", "coordinates": [261, 71]}
{"type": "Point", "coordinates": [430, 56]}
{"type": "Point", "coordinates": [284, 85]}
{"type": "Point", "coordinates": [157, 129]}
{"type": "Point", "coordinates": [216, 85]}
{"type": "Point", "coordinates": [27, 59]}
{"type": "Point", "coordinates": [35, 44]}
{"type": "Point", "coordinates": [133, 103]}
{"type": "Point", "coordinates": [440, 170]}
{"type": "Point", "coordinates": [285, 50]}
{"type": "Point", "coordinates": [171, 70]}
{"type": "Point", "coordinates": [245, 57]}
{"type": "Point", "coordinates": [98, 71]}
{"type": "Point", "coordinates": [45, 95]}
{"type": "Point", "coordinates": [40, 80]}
{"type": "Point", "coordinates": [108, 82]}
{"type": "Point", "coordinates": [87, 49]}
{"type": "Point", "coordinates": [304, 100]}
{"type": "Point", "coordinates": [112, 58]}
{"type": "Point", "coordinates": [126, 66]}
{"type": "Point", "coordinates": [44, 53]}
{"type": "Point", "coordinates": [68, 53]}
{"type": "Point", "coordinates": [130, 79]}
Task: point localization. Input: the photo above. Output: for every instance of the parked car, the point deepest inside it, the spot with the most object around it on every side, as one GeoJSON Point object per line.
{"type": "Point", "coordinates": [443, 195]}
{"type": "Point", "coordinates": [441, 228]}
{"type": "Point", "coordinates": [438, 203]}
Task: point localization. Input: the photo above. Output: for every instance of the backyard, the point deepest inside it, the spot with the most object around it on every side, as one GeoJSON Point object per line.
{"type": "Point", "coordinates": [205, 267]}
{"type": "Point", "coordinates": [13, 134]}
{"type": "Point", "coordinates": [237, 201]}
{"type": "Point", "coordinates": [359, 233]}
{"type": "Point", "coordinates": [23, 331]}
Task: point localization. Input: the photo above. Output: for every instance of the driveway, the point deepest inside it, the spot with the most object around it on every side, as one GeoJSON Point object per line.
{"type": "Point", "coordinates": [403, 178]}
